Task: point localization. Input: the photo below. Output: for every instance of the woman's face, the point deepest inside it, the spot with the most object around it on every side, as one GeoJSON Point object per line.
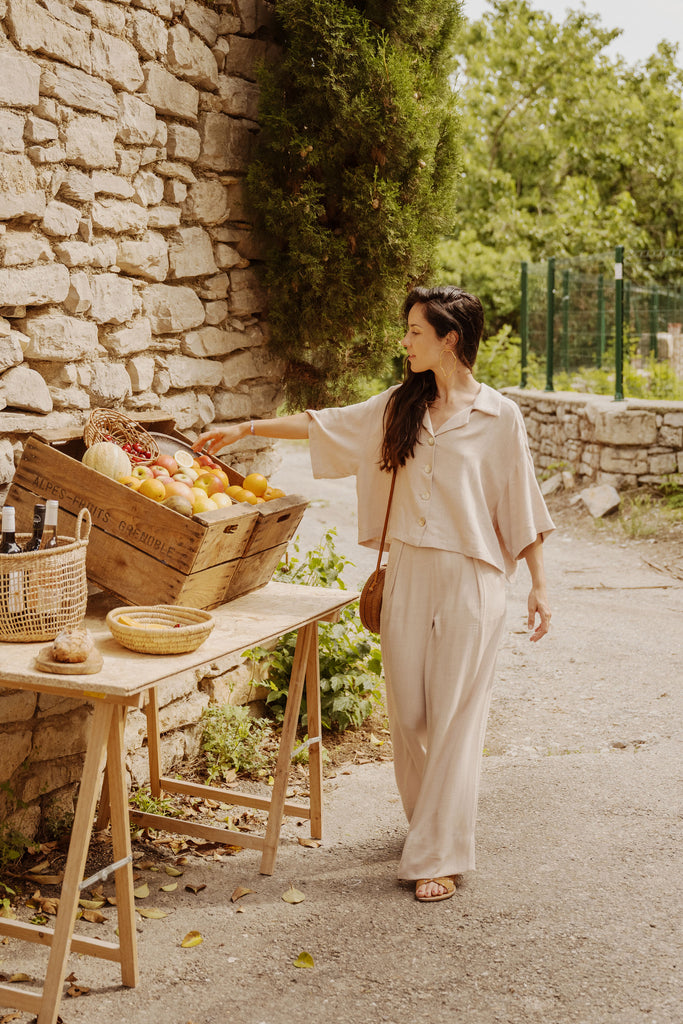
{"type": "Point", "coordinates": [423, 345]}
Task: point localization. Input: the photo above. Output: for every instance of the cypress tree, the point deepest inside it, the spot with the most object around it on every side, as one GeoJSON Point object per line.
{"type": "Point", "coordinates": [353, 181]}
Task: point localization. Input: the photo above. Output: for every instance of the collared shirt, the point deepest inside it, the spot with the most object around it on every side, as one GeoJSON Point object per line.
{"type": "Point", "coordinates": [469, 487]}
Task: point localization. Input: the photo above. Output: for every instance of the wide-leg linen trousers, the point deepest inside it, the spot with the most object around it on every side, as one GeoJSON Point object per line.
{"type": "Point", "coordinates": [442, 618]}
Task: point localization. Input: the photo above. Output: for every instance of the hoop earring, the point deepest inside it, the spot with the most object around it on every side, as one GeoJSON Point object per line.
{"type": "Point", "coordinates": [448, 373]}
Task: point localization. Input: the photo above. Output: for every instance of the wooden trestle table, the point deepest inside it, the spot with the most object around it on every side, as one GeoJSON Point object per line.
{"type": "Point", "coordinates": [128, 679]}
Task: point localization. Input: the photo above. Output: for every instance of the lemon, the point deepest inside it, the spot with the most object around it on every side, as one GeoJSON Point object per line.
{"type": "Point", "coordinates": [184, 459]}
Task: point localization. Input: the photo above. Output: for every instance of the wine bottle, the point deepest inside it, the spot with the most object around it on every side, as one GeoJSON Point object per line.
{"type": "Point", "coordinates": [11, 583]}
{"type": "Point", "coordinates": [50, 531]}
{"type": "Point", "coordinates": [38, 527]}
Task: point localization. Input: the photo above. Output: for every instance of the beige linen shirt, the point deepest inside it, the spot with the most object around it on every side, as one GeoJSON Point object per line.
{"type": "Point", "coordinates": [470, 486]}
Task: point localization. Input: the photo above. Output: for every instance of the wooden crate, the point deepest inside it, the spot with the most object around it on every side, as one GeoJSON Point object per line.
{"type": "Point", "coordinates": [148, 554]}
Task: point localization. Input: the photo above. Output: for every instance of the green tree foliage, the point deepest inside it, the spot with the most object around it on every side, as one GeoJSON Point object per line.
{"type": "Point", "coordinates": [565, 151]}
{"type": "Point", "coordinates": [353, 180]}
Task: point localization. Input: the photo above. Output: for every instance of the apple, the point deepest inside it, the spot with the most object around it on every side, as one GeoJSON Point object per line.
{"type": "Point", "coordinates": [176, 488]}
{"type": "Point", "coordinates": [183, 478]}
{"type": "Point", "coordinates": [159, 471]}
{"type": "Point", "coordinates": [210, 483]}
{"type": "Point", "coordinates": [205, 460]}
{"type": "Point", "coordinates": [166, 462]}
{"type": "Point", "coordinates": [141, 472]}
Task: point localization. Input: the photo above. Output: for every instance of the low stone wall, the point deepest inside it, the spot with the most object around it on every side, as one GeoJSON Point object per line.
{"type": "Point", "coordinates": [627, 444]}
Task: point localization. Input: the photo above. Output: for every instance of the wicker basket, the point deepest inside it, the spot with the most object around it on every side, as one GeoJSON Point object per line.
{"type": "Point", "coordinates": [44, 592]}
{"type": "Point", "coordinates": [162, 629]}
{"type": "Point", "coordinates": [108, 425]}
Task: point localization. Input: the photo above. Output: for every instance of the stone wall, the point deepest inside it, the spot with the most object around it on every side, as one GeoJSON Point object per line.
{"type": "Point", "coordinates": [627, 444]}
{"type": "Point", "coordinates": [126, 277]}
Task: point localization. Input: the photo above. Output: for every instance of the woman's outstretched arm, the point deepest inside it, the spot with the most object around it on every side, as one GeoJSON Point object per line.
{"type": "Point", "coordinates": [290, 427]}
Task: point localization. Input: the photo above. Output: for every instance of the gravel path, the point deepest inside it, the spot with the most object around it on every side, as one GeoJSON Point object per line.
{"type": "Point", "coordinates": [573, 916]}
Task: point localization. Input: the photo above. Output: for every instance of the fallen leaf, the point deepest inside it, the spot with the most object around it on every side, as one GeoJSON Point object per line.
{"type": "Point", "coordinates": [19, 977]}
{"type": "Point", "coordinates": [40, 868]}
{"type": "Point", "coordinates": [293, 895]}
{"type": "Point", "coordinates": [142, 892]}
{"type": "Point", "coordinates": [7, 913]}
{"type": "Point", "coordinates": [239, 893]}
{"type": "Point", "coordinates": [195, 888]}
{"type": "Point", "coordinates": [92, 904]}
{"type": "Point", "coordinates": [9, 1017]}
{"type": "Point", "coordinates": [313, 843]}
{"type": "Point", "coordinates": [45, 879]}
{"type": "Point", "coordinates": [304, 960]}
{"type": "Point", "coordinates": [93, 916]}
{"type": "Point", "coordinates": [375, 742]}
{"type": "Point", "coordinates": [192, 939]}
{"type": "Point", "coordinates": [152, 912]}
{"type": "Point", "coordinates": [77, 990]}
{"type": "Point", "coordinates": [171, 887]}
{"type": "Point", "coordinates": [145, 864]}
{"type": "Point", "coordinates": [173, 872]}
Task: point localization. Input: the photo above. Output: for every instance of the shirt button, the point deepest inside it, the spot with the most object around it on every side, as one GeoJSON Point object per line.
{"type": "Point", "coordinates": [425, 495]}
{"type": "Point", "coordinates": [422, 521]}
{"type": "Point", "coordinates": [430, 440]}
{"type": "Point", "coordinates": [428, 469]}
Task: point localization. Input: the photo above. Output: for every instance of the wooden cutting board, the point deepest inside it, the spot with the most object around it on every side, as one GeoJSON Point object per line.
{"type": "Point", "coordinates": [46, 663]}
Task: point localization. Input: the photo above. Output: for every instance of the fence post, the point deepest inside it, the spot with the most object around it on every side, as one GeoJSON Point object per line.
{"type": "Point", "coordinates": [550, 325]}
{"type": "Point", "coordinates": [619, 323]}
{"type": "Point", "coordinates": [565, 321]}
{"type": "Point", "coordinates": [524, 320]}
{"type": "Point", "coordinates": [654, 317]}
{"type": "Point", "coordinates": [600, 325]}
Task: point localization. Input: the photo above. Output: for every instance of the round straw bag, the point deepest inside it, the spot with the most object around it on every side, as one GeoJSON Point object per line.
{"type": "Point", "coordinates": [370, 605]}
{"type": "Point", "coordinates": [44, 592]}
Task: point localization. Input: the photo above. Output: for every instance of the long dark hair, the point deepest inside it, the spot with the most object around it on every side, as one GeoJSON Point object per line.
{"type": "Point", "coordinates": [447, 309]}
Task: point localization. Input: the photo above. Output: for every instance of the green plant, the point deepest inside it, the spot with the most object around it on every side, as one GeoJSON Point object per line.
{"type": "Point", "coordinates": [353, 180]}
{"type": "Point", "coordinates": [143, 801]}
{"type": "Point", "coordinates": [350, 661]}
{"type": "Point", "coordinates": [233, 740]}
{"type": "Point", "coordinates": [636, 516]}
{"type": "Point", "coordinates": [499, 361]}
{"type": "Point", "coordinates": [13, 845]}
{"type": "Point", "coordinates": [672, 490]}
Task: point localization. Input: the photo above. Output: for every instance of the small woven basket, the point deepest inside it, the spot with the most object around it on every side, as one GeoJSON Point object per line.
{"type": "Point", "coordinates": [161, 628]}
{"type": "Point", "coordinates": [44, 592]}
{"type": "Point", "coordinates": [108, 425]}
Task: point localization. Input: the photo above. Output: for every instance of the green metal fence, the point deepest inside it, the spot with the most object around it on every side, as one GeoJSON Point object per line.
{"type": "Point", "coordinates": [589, 312]}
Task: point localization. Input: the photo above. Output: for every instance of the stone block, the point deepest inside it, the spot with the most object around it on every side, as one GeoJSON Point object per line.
{"type": "Point", "coordinates": [6, 462]}
{"type": "Point", "coordinates": [112, 299]}
{"type": "Point", "coordinates": [183, 143]}
{"type": "Point", "coordinates": [174, 169]}
{"type": "Point", "coordinates": [59, 338]}
{"type": "Point", "coordinates": [79, 299]}
{"type": "Point", "coordinates": [77, 186]}
{"type": "Point", "coordinates": [208, 202]}
{"type": "Point", "coordinates": [161, 217]}
{"type": "Point", "coordinates": [128, 162]}
{"type": "Point", "coordinates": [47, 777]}
{"type": "Point", "coordinates": [23, 388]}
{"type": "Point", "coordinates": [190, 253]}
{"type": "Point", "coordinates": [672, 437]}
{"type": "Point", "coordinates": [238, 97]}
{"type": "Point", "coordinates": [243, 56]}
{"type": "Point", "coordinates": [625, 427]}
{"type": "Point", "coordinates": [226, 143]}
{"type": "Point", "coordinates": [600, 500]}
{"type": "Point", "coordinates": [20, 247]}
{"type": "Point", "coordinates": [61, 735]}
{"type": "Point", "coordinates": [148, 188]}
{"type": "Point", "coordinates": [117, 217]}
{"type": "Point", "coordinates": [147, 258]}
{"type": "Point", "coordinates": [148, 33]}
{"type": "Point", "coordinates": [36, 29]}
{"type": "Point", "coordinates": [246, 365]}
{"type": "Point", "coordinates": [11, 353]}
{"type": "Point", "coordinates": [188, 372]}
{"type": "Point", "coordinates": [127, 340]}
{"type": "Point", "coordinates": [216, 312]}
{"type": "Point", "coordinates": [137, 121]}
{"type": "Point", "coordinates": [616, 460]}
{"type": "Point", "coordinates": [169, 96]}
{"type": "Point", "coordinates": [17, 173]}
{"type": "Point", "coordinates": [208, 342]}
{"type": "Point", "coordinates": [202, 20]}
{"type": "Point", "coordinates": [171, 308]}
{"type": "Point", "coordinates": [60, 219]}
{"type": "Point", "coordinates": [247, 294]}
{"type": "Point", "coordinates": [14, 749]}
{"type": "Point", "coordinates": [188, 57]}
{"type": "Point", "coordinates": [69, 398]}
{"type": "Point", "coordinates": [16, 706]}
{"type": "Point", "coordinates": [89, 142]}
{"type": "Point", "coordinates": [141, 372]}
{"type": "Point", "coordinates": [39, 131]}
{"type": "Point", "coordinates": [106, 183]}
{"type": "Point", "coordinates": [116, 61]}
{"type": "Point", "coordinates": [80, 254]}
{"type": "Point", "coordinates": [109, 384]}
{"type": "Point", "coordinates": [105, 15]}
{"type": "Point", "coordinates": [186, 409]}
{"type": "Point", "coordinates": [55, 154]}
{"type": "Point", "coordinates": [11, 130]}
{"type": "Point", "coordinates": [34, 286]}
{"type": "Point", "coordinates": [175, 192]}
{"type": "Point", "coordinates": [673, 419]}
{"type": "Point", "coordinates": [213, 287]}
{"type": "Point", "coordinates": [79, 90]}
{"type": "Point", "coordinates": [663, 464]}
{"type": "Point", "coordinates": [227, 257]}
{"type": "Point", "coordinates": [182, 712]}
{"type": "Point", "coordinates": [19, 80]}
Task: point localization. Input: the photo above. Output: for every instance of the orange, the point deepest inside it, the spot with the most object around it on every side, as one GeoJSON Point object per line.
{"type": "Point", "coordinates": [153, 488]}
{"type": "Point", "coordinates": [134, 482]}
{"type": "Point", "coordinates": [250, 497]}
{"type": "Point", "coordinates": [275, 492]}
{"type": "Point", "coordinates": [255, 483]}
{"type": "Point", "coordinates": [236, 492]}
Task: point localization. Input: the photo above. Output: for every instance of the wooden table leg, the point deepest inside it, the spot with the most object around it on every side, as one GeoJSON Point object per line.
{"type": "Point", "coordinates": [75, 863]}
{"type": "Point", "coordinates": [153, 741]}
{"type": "Point", "coordinates": [289, 724]}
{"type": "Point", "coordinates": [315, 729]}
{"type": "Point", "coordinates": [120, 835]}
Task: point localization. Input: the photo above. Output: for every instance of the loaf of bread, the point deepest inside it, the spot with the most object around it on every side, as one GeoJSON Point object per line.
{"type": "Point", "coordinates": [72, 646]}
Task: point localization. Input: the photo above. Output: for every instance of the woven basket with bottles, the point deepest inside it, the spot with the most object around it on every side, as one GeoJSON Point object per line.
{"type": "Point", "coordinates": [45, 591]}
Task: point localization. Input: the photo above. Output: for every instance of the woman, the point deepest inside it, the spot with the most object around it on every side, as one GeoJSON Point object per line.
{"type": "Point", "coordinates": [466, 507]}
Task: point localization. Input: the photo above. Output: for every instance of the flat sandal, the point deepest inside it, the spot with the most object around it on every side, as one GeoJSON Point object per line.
{"type": "Point", "coordinates": [447, 882]}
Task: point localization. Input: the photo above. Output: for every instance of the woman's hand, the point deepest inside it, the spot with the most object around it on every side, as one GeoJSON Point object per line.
{"type": "Point", "coordinates": [213, 440]}
{"type": "Point", "coordinates": [538, 605]}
